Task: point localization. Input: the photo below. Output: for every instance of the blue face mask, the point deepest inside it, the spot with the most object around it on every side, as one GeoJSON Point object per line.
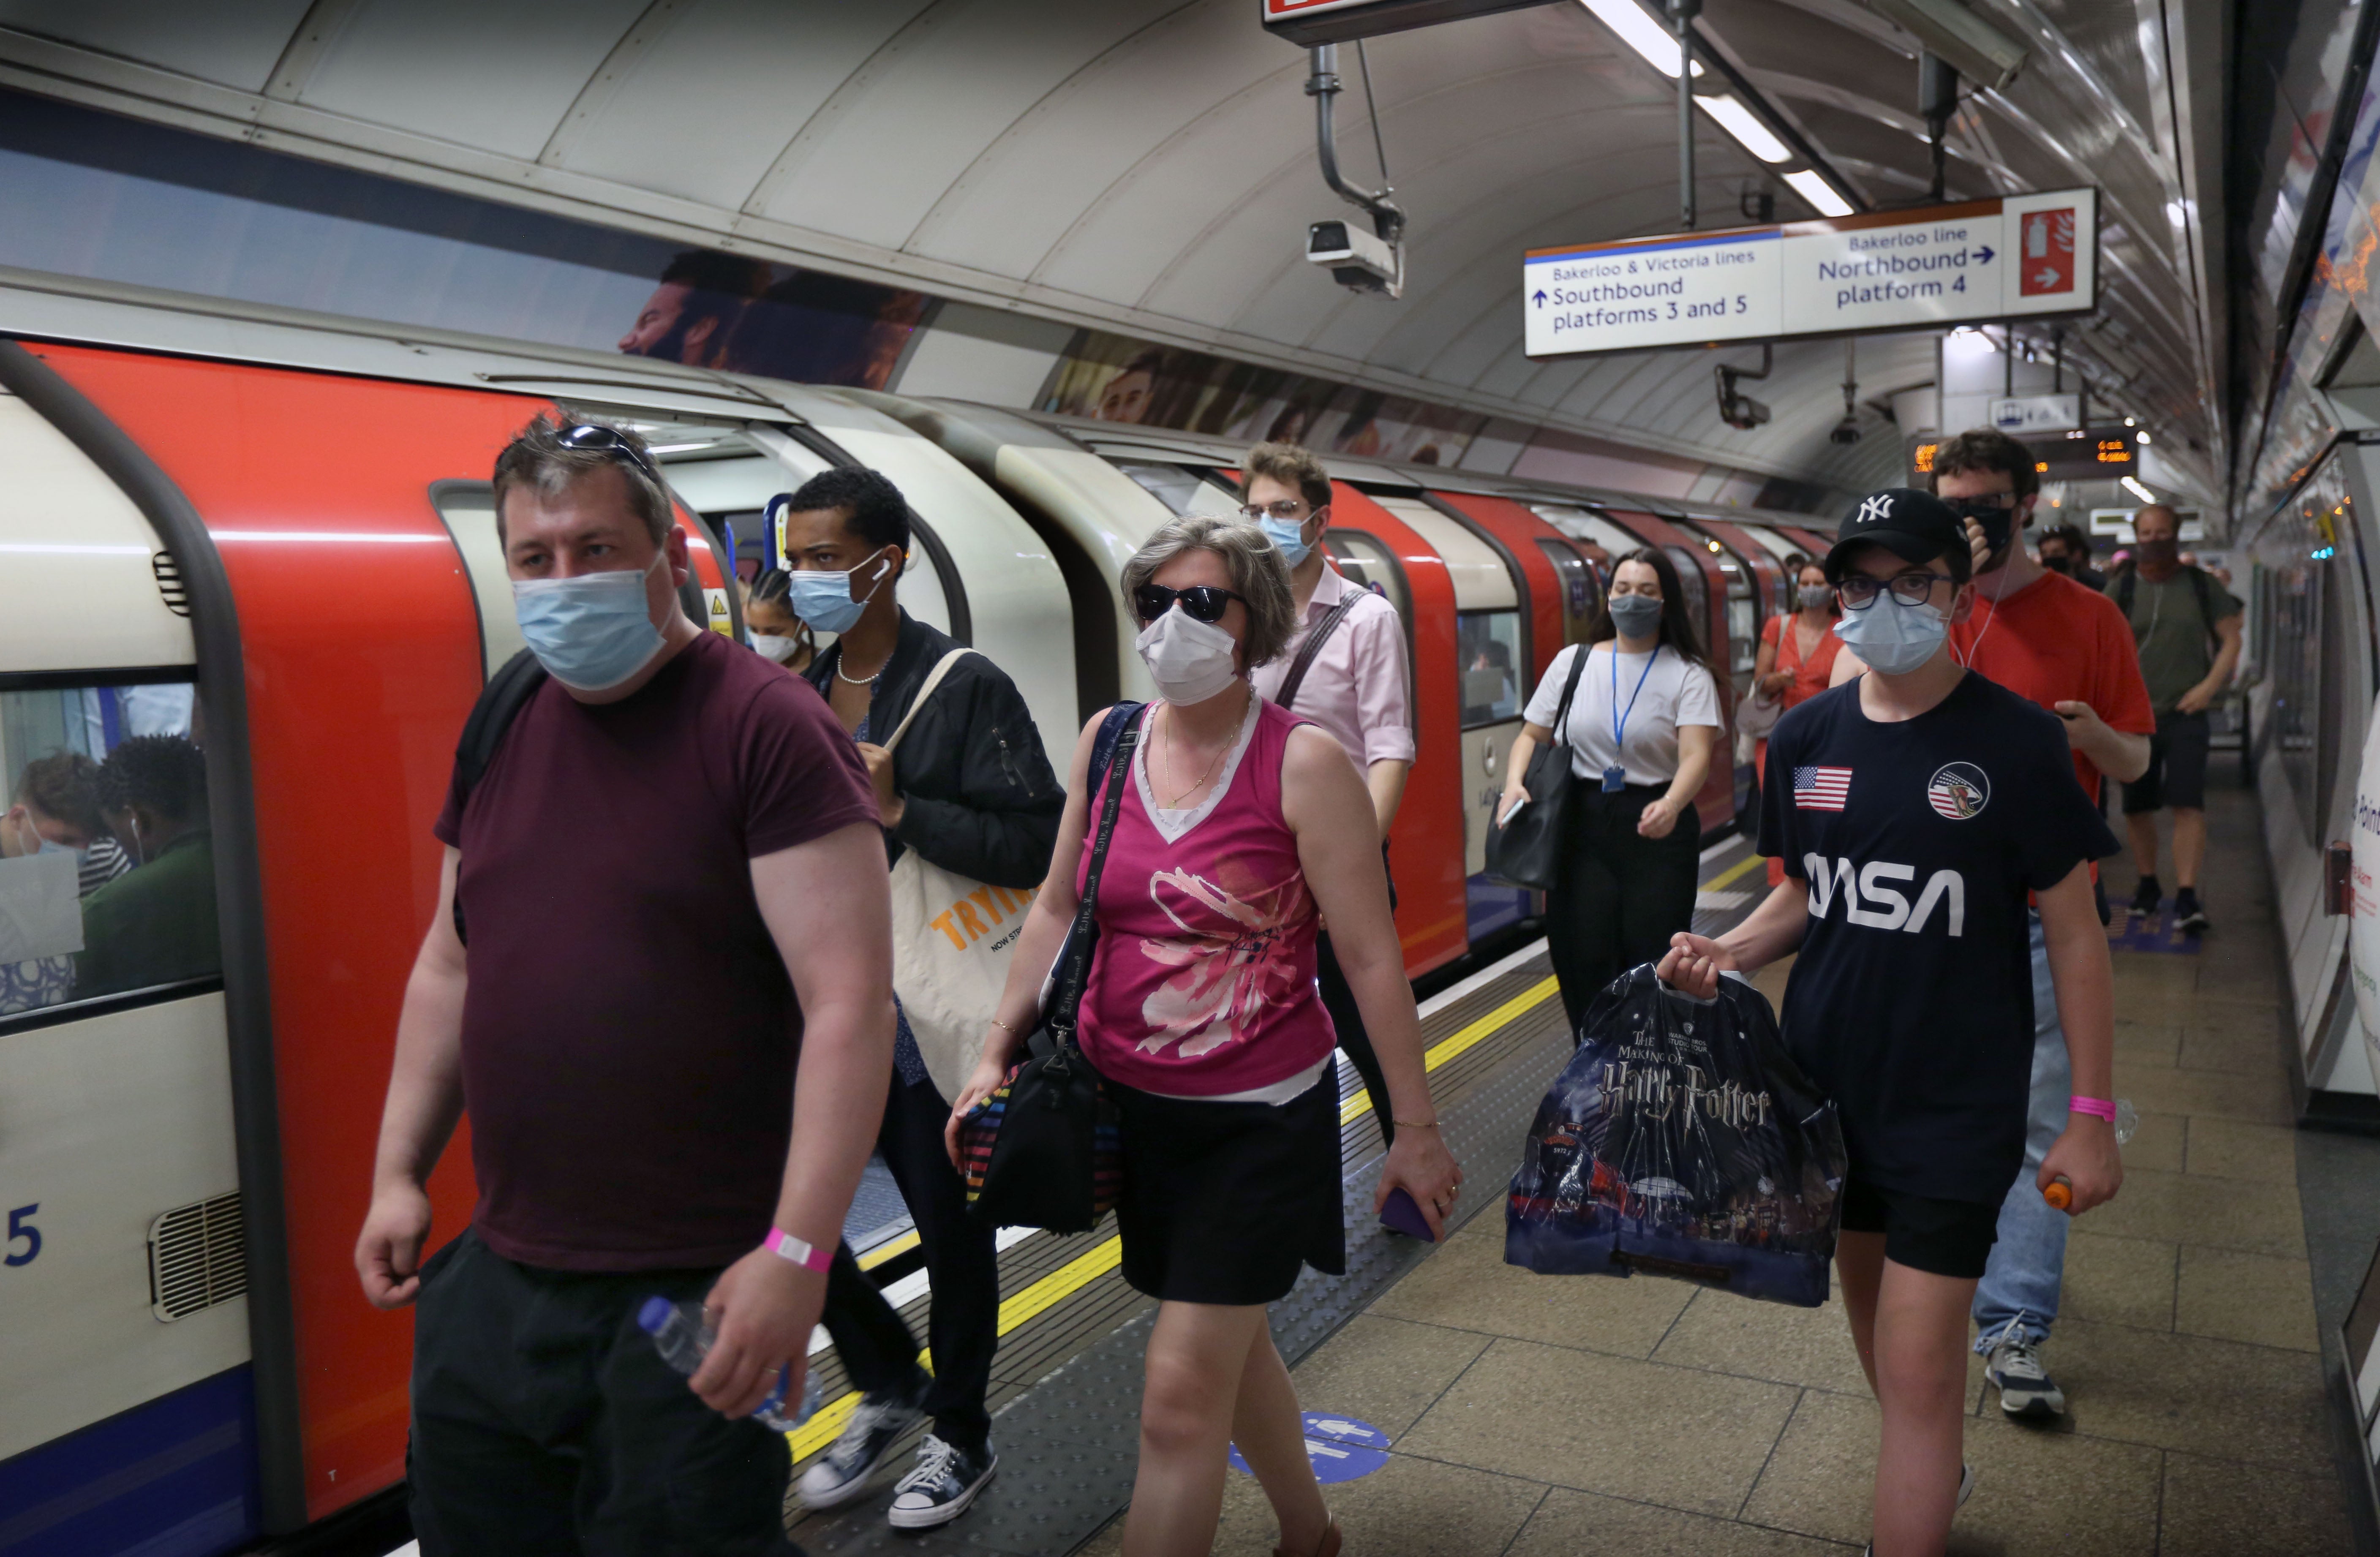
{"type": "Point", "coordinates": [592, 632]}
{"type": "Point", "coordinates": [1893, 637]}
{"type": "Point", "coordinates": [825, 600]}
{"type": "Point", "coordinates": [1289, 536]}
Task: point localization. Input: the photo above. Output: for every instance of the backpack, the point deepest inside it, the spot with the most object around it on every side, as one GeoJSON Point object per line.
{"type": "Point", "coordinates": [501, 700]}
{"type": "Point", "coordinates": [2126, 584]}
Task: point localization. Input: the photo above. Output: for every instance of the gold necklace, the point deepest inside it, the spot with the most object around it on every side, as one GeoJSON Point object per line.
{"type": "Point", "coordinates": [1181, 795]}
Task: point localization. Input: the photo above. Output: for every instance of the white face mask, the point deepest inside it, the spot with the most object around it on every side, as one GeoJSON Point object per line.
{"type": "Point", "coordinates": [775, 646]}
{"type": "Point", "coordinates": [1189, 660]}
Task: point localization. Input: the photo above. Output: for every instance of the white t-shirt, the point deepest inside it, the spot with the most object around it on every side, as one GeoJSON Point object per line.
{"type": "Point", "coordinates": [1675, 691]}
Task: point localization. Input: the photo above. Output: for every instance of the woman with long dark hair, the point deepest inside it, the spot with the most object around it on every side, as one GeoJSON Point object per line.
{"type": "Point", "coordinates": [1642, 724]}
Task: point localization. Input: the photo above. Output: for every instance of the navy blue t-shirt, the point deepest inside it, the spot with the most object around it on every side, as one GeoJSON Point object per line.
{"type": "Point", "coordinates": [1911, 1003]}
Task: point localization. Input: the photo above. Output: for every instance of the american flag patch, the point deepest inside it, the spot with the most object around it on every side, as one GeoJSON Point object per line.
{"type": "Point", "coordinates": [1821, 789]}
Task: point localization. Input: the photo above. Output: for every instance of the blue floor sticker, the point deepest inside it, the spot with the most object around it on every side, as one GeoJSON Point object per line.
{"type": "Point", "coordinates": [1341, 1448]}
{"type": "Point", "coordinates": [2150, 932]}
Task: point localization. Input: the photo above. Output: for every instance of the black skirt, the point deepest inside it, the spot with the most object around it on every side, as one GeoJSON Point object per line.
{"type": "Point", "coordinates": [1222, 1202]}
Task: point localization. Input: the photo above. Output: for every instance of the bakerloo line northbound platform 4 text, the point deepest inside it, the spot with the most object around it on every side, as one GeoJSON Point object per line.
{"type": "Point", "coordinates": [2022, 256]}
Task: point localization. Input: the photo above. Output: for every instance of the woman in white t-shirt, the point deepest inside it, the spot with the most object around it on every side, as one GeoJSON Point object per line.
{"type": "Point", "coordinates": [1641, 730]}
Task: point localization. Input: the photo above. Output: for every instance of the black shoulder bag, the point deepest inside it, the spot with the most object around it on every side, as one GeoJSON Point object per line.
{"type": "Point", "coordinates": [1313, 648]}
{"type": "Point", "coordinates": [501, 700]}
{"type": "Point", "coordinates": [1042, 1149]}
{"type": "Point", "coordinates": [1527, 851]}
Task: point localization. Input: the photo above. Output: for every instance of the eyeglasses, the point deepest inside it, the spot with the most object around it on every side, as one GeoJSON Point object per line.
{"type": "Point", "coordinates": [1200, 603]}
{"type": "Point", "coordinates": [1287, 508]}
{"type": "Point", "coordinates": [589, 435]}
{"type": "Point", "coordinates": [1859, 591]}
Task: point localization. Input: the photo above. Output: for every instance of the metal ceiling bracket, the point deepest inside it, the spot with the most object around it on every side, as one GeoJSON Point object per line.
{"type": "Point", "coordinates": [1388, 217]}
{"type": "Point", "coordinates": [1681, 14]}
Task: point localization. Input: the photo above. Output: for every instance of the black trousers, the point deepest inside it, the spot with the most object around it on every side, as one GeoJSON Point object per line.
{"type": "Point", "coordinates": [543, 1421]}
{"type": "Point", "coordinates": [1340, 1002]}
{"type": "Point", "coordinates": [963, 1326]}
{"type": "Point", "coordinates": [1620, 896]}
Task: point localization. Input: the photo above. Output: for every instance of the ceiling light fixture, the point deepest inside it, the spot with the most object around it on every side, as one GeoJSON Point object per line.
{"type": "Point", "coordinates": [2139, 490]}
{"type": "Point", "coordinates": [1818, 192]}
{"type": "Point", "coordinates": [1745, 125]}
{"type": "Point", "coordinates": [1657, 44]}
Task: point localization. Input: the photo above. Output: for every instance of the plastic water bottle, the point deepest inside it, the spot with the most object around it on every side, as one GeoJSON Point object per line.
{"type": "Point", "coordinates": [2060, 1194]}
{"type": "Point", "coordinates": [682, 1336]}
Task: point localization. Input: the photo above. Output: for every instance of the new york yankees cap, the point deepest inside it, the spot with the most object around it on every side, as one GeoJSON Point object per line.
{"type": "Point", "coordinates": [1914, 526]}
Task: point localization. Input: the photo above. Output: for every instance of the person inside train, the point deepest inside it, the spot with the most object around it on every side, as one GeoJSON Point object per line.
{"type": "Point", "coordinates": [970, 791]}
{"type": "Point", "coordinates": [1643, 723]}
{"type": "Point", "coordinates": [2186, 625]}
{"type": "Point", "coordinates": [1797, 655]}
{"type": "Point", "coordinates": [2065, 646]}
{"type": "Point", "coordinates": [1910, 1006]}
{"type": "Point", "coordinates": [57, 804]}
{"type": "Point", "coordinates": [778, 635]}
{"type": "Point", "coordinates": [1240, 828]}
{"type": "Point", "coordinates": [155, 924]}
{"type": "Point", "coordinates": [695, 307]}
{"type": "Point", "coordinates": [2065, 549]}
{"type": "Point", "coordinates": [1355, 685]}
{"type": "Point", "coordinates": [672, 1037]}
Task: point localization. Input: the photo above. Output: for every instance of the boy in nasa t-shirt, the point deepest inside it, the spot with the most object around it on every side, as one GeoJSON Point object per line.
{"type": "Point", "coordinates": [1916, 809]}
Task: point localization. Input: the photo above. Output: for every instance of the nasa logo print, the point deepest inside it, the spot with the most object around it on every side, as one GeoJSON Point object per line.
{"type": "Point", "coordinates": [1958, 791]}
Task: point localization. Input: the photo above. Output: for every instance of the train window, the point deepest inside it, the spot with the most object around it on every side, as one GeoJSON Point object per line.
{"type": "Point", "coordinates": [1182, 490]}
{"type": "Point", "coordinates": [1488, 646]}
{"type": "Point", "coordinates": [1690, 577]}
{"type": "Point", "coordinates": [1362, 558]}
{"type": "Point", "coordinates": [106, 859]}
{"type": "Point", "coordinates": [1578, 589]}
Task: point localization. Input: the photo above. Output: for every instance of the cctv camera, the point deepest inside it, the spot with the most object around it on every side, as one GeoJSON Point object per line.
{"type": "Point", "coordinates": [1846, 431]}
{"type": "Point", "coordinates": [1744, 413]}
{"type": "Point", "coordinates": [1358, 260]}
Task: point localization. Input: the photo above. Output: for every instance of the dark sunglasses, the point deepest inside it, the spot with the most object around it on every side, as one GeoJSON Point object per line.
{"type": "Point", "coordinates": [589, 435]}
{"type": "Point", "coordinates": [1200, 603]}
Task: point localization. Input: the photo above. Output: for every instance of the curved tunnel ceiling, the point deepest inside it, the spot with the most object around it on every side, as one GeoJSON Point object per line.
{"type": "Point", "coordinates": [1147, 165]}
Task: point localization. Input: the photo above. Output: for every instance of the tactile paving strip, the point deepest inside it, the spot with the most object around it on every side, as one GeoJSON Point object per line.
{"type": "Point", "coordinates": [1066, 1386]}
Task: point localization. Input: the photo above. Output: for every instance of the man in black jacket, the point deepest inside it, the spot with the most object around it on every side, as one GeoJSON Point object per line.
{"type": "Point", "coordinates": [970, 790]}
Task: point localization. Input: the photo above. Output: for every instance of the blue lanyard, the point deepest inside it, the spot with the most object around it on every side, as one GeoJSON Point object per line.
{"type": "Point", "coordinates": [1619, 720]}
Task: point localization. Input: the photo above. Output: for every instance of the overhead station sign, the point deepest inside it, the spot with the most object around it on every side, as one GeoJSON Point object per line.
{"type": "Point", "coordinates": [2025, 256]}
{"type": "Point", "coordinates": [1308, 22]}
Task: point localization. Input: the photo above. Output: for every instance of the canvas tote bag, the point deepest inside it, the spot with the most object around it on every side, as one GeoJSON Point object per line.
{"type": "Point", "coordinates": [952, 940]}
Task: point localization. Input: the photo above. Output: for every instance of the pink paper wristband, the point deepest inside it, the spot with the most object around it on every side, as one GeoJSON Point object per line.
{"type": "Point", "coordinates": [784, 1246]}
{"type": "Point", "coordinates": [2103, 1107]}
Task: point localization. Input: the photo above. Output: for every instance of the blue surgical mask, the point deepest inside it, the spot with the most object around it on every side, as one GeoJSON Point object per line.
{"type": "Point", "coordinates": [1289, 537]}
{"type": "Point", "coordinates": [1893, 637]}
{"type": "Point", "coordinates": [825, 599]}
{"type": "Point", "coordinates": [591, 632]}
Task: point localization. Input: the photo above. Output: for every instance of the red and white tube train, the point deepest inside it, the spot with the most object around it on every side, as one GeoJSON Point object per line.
{"type": "Point", "coordinates": [264, 542]}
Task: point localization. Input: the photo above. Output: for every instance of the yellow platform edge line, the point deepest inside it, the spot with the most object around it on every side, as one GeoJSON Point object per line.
{"type": "Point", "coordinates": [1750, 862]}
{"type": "Point", "coordinates": [892, 1249]}
{"type": "Point", "coordinates": [1528, 999]}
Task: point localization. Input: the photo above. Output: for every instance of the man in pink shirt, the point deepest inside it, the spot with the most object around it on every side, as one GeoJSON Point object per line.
{"type": "Point", "coordinates": [1344, 670]}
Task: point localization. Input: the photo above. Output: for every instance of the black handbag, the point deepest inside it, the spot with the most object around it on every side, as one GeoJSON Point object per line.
{"type": "Point", "coordinates": [1042, 1149]}
{"type": "Point", "coordinates": [1527, 851]}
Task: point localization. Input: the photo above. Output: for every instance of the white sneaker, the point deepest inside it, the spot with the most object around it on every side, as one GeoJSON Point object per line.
{"type": "Point", "coordinates": [840, 1474]}
{"type": "Point", "coordinates": [2026, 1388]}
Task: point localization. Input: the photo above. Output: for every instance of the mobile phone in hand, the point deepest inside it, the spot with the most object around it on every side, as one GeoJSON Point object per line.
{"type": "Point", "coordinates": [1403, 1215]}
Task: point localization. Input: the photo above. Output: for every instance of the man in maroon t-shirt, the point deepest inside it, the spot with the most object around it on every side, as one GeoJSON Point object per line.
{"type": "Point", "coordinates": [673, 1032]}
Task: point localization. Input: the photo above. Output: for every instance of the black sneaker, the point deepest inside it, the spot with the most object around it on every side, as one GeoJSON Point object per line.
{"type": "Point", "coordinates": [840, 1474]}
{"type": "Point", "coordinates": [2146, 896]}
{"type": "Point", "coordinates": [2188, 917]}
{"type": "Point", "coordinates": [939, 1490]}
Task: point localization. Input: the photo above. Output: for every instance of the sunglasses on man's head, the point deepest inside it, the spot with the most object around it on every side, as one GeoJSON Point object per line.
{"type": "Point", "coordinates": [1200, 603]}
{"type": "Point", "coordinates": [599, 439]}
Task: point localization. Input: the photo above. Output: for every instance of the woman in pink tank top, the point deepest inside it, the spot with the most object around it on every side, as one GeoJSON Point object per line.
{"type": "Point", "coordinates": [1238, 829]}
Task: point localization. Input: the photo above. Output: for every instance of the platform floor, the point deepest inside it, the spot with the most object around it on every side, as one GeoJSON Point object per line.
{"type": "Point", "coordinates": [1534, 1416]}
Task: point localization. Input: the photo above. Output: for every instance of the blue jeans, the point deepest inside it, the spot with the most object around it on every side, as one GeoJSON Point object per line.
{"type": "Point", "coordinates": [2019, 1286]}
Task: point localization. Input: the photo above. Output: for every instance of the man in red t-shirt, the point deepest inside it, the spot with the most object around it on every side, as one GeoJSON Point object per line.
{"type": "Point", "coordinates": [2067, 647]}
{"type": "Point", "coordinates": [672, 1031]}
